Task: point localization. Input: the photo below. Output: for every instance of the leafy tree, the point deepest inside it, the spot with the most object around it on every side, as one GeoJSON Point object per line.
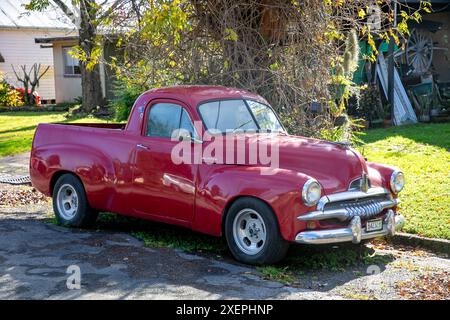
{"type": "Point", "coordinates": [88, 16]}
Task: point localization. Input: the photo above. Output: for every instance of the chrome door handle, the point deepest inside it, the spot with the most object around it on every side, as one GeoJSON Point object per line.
{"type": "Point", "coordinates": [142, 146]}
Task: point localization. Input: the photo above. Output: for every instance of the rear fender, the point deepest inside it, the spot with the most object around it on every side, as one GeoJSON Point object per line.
{"type": "Point", "coordinates": [94, 169]}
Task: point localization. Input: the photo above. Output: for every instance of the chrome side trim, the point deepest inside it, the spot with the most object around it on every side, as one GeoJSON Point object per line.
{"type": "Point", "coordinates": [354, 232]}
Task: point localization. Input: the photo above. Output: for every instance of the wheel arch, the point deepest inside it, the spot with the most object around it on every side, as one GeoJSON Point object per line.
{"type": "Point", "coordinates": [57, 174]}
{"type": "Point", "coordinates": [238, 197]}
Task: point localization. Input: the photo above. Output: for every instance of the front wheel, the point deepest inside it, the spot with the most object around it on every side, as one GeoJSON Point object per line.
{"type": "Point", "coordinates": [70, 203]}
{"type": "Point", "coordinates": [252, 233]}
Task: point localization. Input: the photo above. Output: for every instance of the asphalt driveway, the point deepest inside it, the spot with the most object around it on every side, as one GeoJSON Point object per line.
{"type": "Point", "coordinates": [36, 254]}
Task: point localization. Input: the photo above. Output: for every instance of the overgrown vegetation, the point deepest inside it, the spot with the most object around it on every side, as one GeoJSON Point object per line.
{"type": "Point", "coordinates": [294, 53]}
{"type": "Point", "coordinates": [350, 130]}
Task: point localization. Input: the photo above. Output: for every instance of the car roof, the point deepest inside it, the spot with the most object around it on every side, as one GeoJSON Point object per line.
{"type": "Point", "coordinates": [196, 94]}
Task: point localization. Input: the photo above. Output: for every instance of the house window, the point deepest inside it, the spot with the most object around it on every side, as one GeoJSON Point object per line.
{"type": "Point", "coordinates": [71, 64]}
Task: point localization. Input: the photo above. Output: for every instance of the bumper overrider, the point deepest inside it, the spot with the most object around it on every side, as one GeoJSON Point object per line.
{"type": "Point", "coordinates": [352, 206]}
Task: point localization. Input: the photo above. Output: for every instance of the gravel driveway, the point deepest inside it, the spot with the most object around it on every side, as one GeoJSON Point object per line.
{"type": "Point", "coordinates": [35, 256]}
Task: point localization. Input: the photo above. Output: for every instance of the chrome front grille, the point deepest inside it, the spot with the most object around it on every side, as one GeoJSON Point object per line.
{"type": "Point", "coordinates": [346, 205]}
{"type": "Point", "coordinates": [364, 208]}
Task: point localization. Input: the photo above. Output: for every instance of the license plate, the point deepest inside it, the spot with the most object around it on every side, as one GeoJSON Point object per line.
{"type": "Point", "coordinates": [374, 225]}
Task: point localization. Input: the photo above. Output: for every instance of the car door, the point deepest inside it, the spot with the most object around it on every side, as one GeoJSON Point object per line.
{"type": "Point", "coordinates": [162, 188]}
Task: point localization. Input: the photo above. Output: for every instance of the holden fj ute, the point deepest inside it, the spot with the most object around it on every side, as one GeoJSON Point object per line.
{"type": "Point", "coordinates": [218, 161]}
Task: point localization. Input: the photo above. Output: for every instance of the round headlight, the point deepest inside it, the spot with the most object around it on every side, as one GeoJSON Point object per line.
{"type": "Point", "coordinates": [311, 192]}
{"type": "Point", "coordinates": [397, 181]}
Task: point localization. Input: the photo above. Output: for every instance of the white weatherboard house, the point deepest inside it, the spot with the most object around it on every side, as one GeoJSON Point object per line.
{"type": "Point", "coordinates": [18, 31]}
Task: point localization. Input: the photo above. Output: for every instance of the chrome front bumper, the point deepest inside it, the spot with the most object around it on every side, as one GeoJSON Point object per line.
{"type": "Point", "coordinates": [354, 232]}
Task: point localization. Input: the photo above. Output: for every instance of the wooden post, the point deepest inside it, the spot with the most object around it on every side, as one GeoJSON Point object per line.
{"type": "Point", "coordinates": [391, 76]}
{"type": "Point", "coordinates": [391, 65]}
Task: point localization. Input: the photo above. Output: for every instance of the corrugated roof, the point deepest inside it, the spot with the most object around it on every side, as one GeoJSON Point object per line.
{"type": "Point", "coordinates": [14, 15]}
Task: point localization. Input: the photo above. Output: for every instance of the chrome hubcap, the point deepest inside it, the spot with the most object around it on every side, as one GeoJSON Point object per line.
{"type": "Point", "coordinates": [249, 231]}
{"type": "Point", "coordinates": [67, 201]}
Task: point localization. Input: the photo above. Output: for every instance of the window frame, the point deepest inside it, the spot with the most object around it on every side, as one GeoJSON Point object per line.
{"type": "Point", "coordinates": [145, 127]}
{"type": "Point", "coordinates": [64, 50]}
{"type": "Point", "coordinates": [248, 108]}
{"type": "Point", "coordinates": [268, 106]}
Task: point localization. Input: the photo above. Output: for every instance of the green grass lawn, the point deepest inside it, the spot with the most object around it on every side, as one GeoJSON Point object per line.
{"type": "Point", "coordinates": [17, 128]}
{"type": "Point", "coordinates": [422, 152]}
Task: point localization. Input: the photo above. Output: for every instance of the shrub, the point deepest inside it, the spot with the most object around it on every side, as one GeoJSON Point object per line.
{"type": "Point", "coordinates": [349, 131]}
{"type": "Point", "coordinates": [9, 96]}
{"type": "Point", "coordinates": [126, 95]}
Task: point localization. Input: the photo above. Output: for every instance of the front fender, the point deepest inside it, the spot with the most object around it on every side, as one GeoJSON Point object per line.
{"type": "Point", "coordinates": [219, 186]}
{"type": "Point", "coordinates": [380, 174]}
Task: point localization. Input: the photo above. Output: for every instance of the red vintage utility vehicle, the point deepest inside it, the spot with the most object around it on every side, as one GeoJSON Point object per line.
{"type": "Point", "coordinates": [318, 191]}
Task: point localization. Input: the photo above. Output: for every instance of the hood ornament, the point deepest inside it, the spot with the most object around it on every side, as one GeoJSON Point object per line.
{"type": "Point", "coordinates": [364, 183]}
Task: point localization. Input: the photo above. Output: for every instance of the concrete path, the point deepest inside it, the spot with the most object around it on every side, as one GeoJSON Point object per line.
{"type": "Point", "coordinates": [15, 165]}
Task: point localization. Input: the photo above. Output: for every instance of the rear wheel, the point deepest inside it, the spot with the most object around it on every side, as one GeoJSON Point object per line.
{"type": "Point", "coordinates": [252, 233]}
{"type": "Point", "coordinates": [70, 203]}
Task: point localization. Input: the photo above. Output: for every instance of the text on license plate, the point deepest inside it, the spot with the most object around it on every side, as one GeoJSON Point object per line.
{"type": "Point", "coordinates": [374, 225]}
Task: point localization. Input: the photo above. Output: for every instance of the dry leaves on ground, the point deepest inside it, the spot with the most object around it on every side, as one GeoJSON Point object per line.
{"type": "Point", "coordinates": [19, 197]}
{"type": "Point", "coordinates": [429, 286]}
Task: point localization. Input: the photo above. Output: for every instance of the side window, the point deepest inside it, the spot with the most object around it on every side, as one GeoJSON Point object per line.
{"type": "Point", "coordinates": [163, 119]}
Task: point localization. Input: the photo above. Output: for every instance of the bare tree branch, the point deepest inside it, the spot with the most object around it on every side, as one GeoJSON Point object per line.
{"type": "Point", "coordinates": [111, 9]}
{"type": "Point", "coordinates": [66, 10]}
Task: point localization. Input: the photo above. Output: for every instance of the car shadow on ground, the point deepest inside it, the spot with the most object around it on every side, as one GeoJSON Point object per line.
{"type": "Point", "coordinates": [319, 267]}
